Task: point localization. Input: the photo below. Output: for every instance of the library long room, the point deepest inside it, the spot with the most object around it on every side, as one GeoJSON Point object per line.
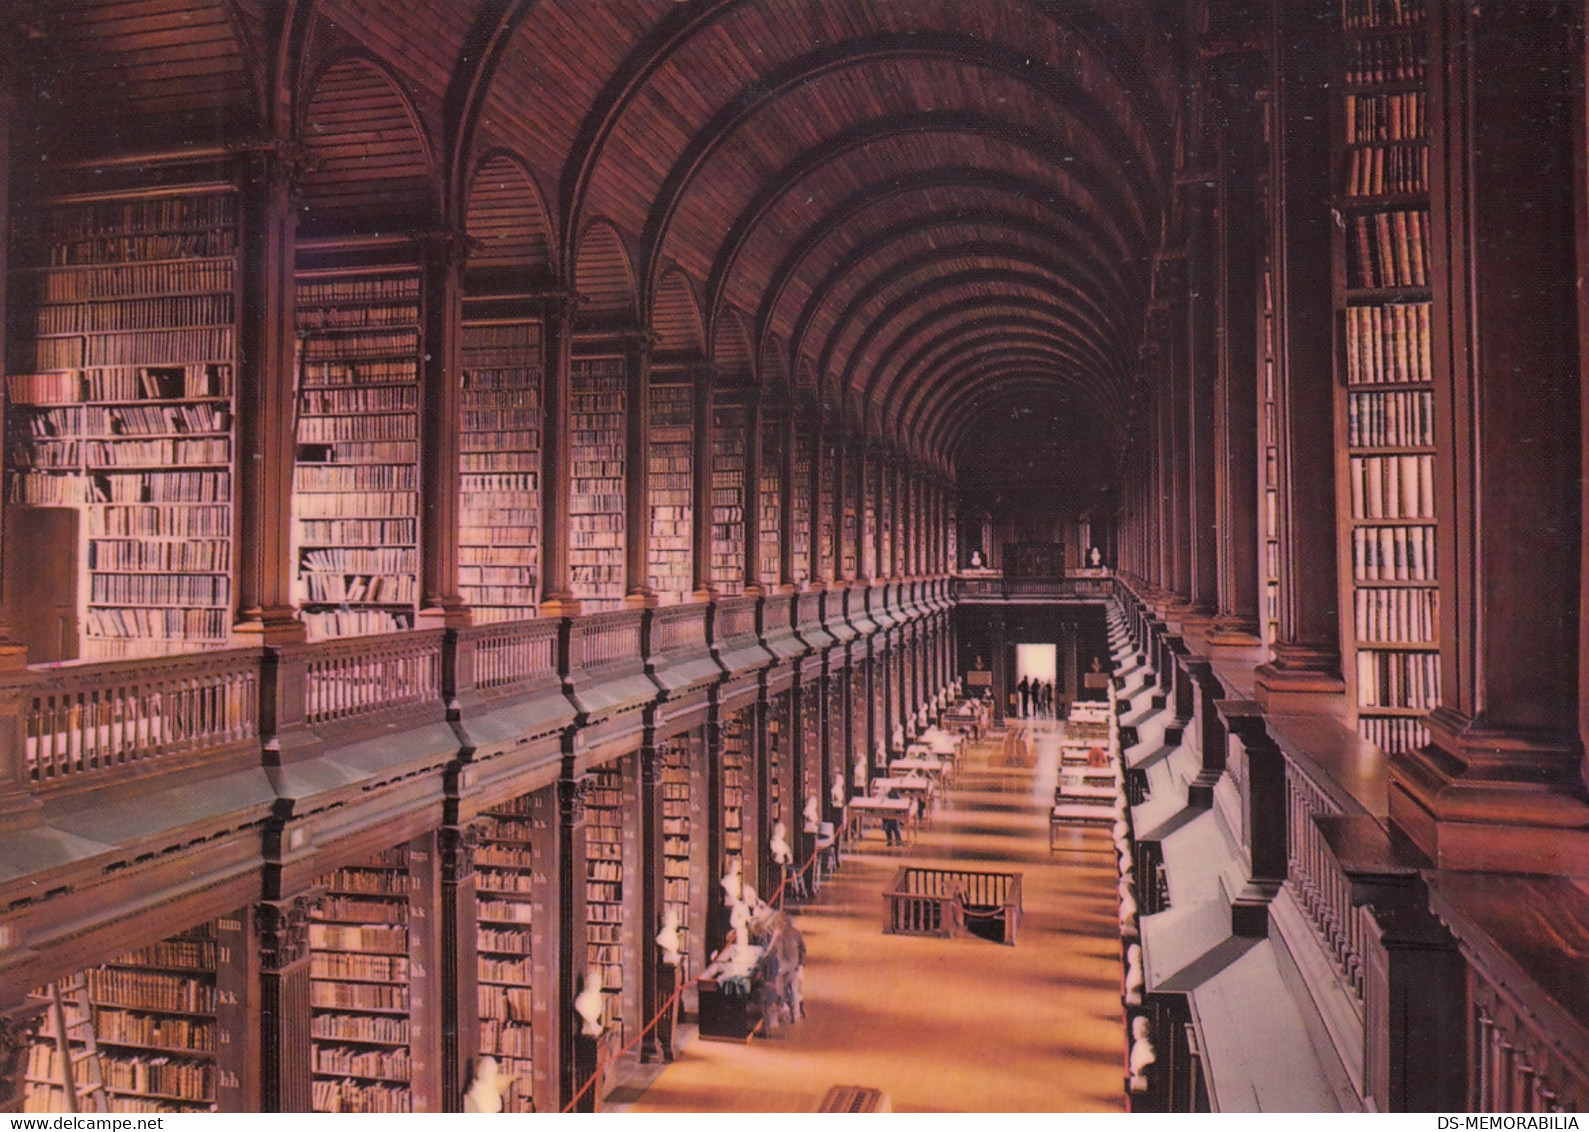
{"type": "Point", "coordinates": [576, 555]}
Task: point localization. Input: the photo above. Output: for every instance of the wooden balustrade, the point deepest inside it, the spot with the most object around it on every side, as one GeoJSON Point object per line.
{"type": "Point", "coordinates": [511, 653]}
{"type": "Point", "coordinates": [679, 629]}
{"type": "Point", "coordinates": [606, 638]}
{"type": "Point", "coordinates": [1513, 1067]}
{"type": "Point", "coordinates": [81, 721]}
{"type": "Point", "coordinates": [359, 676]}
{"type": "Point", "coordinates": [1316, 881]}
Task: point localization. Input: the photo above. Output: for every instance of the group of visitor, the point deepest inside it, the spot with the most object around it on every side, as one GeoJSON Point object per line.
{"type": "Point", "coordinates": [1037, 698]}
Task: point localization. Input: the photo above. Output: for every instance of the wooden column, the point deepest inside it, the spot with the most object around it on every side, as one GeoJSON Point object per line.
{"type": "Point", "coordinates": [652, 885]}
{"type": "Point", "coordinates": [557, 594]}
{"type": "Point", "coordinates": [637, 471]}
{"type": "Point", "coordinates": [1202, 349]}
{"type": "Point", "coordinates": [265, 395]}
{"type": "Point", "coordinates": [752, 493]}
{"type": "Point", "coordinates": [286, 1060]}
{"type": "Point", "coordinates": [1502, 788]}
{"type": "Point", "coordinates": [460, 963]}
{"type": "Point", "coordinates": [442, 263]}
{"type": "Point", "coordinates": [786, 496]}
{"type": "Point", "coordinates": [571, 951]}
{"type": "Point", "coordinates": [1306, 671]}
{"type": "Point", "coordinates": [701, 472]}
{"type": "Point", "coordinates": [1239, 153]}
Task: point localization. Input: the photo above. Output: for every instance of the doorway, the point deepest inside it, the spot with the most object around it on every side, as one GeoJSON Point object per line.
{"type": "Point", "coordinates": [1036, 664]}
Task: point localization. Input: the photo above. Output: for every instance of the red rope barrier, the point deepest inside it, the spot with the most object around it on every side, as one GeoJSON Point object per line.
{"type": "Point", "coordinates": [601, 1066]}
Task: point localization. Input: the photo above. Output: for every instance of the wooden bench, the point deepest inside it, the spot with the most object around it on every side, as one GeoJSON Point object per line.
{"type": "Point", "coordinates": [940, 902]}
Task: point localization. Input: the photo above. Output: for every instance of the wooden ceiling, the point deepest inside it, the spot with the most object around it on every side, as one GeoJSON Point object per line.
{"type": "Point", "coordinates": [934, 216]}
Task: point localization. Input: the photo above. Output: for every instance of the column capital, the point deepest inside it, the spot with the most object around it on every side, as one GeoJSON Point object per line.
{"type": "Point", "coordinates": [283, 929]}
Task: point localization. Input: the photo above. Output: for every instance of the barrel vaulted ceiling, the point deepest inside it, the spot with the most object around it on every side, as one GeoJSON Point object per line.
{"type": "Point", "coordinates": [934, 218]}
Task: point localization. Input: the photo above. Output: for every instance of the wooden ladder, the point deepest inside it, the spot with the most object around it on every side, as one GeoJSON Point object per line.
{"type": "Point", "coordinates": [69, 1025]}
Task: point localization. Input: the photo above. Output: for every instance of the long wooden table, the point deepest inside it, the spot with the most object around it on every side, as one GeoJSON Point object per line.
{"type": "Point", "coordinates": [863, 809]}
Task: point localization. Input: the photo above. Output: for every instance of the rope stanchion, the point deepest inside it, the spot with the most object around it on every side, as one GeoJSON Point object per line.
{"type": "Point", "coordinates": [678, 993]}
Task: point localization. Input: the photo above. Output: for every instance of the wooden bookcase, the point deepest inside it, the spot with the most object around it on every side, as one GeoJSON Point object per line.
{"type": "Point", "coordinates": [678, 871]}
{"type": "Point", "coordinates": [1269, 449]}
{"type": "Point", "coordinates": [800, 469]}
{"type": "Point", "coordinates": [728, 499]}
{"type": "Point", "coordinates": [1385, 397]}
{"type": "Point", "coordinates": [849, 523]}
{"type": "Point", "coordinates": [605, 890]}
{"type": "Point", "coordinates": [827, 527]}
{"type": "Point", "coordinates": [122, 354]}
{"type": "Point", "coordinates": [158, 1029]}
{"type": "Point", "coordinates": [368, 966]}
{"type": "Point", "coordinates": [507, 911]}
{"type": "Point", "coordinates": [778, 762]}
{"type": "Point", "coordinates": [596, 500]}
{"type": "Point", "coordinates": [736, 780]}
{"type": "Point", "coordinates": [356, 481]}
{"type": "Point", "coordinates": [770, 501]}
{"type": "Point", "coordinates": [885, 511]}
{"type": "Point", "coordinates": [869, 528]}
{"type": "Point", "coordinates": [669, 487]}
{"type": "Point", "coordinates": [499, 465]}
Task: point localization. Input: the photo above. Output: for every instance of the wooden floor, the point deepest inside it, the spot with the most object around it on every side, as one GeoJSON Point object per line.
{"type": "Point", "coordinates": [943, 1025]}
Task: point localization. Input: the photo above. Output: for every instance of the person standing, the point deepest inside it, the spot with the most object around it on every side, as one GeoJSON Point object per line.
{"type": "Point", "coordinates": [1025, 689]}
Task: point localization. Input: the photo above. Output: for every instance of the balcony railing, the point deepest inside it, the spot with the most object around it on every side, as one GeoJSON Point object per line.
{"type": "Point", "coordinates": [361, 676]}
{"type": "Point", "coordinates": [80, 721]}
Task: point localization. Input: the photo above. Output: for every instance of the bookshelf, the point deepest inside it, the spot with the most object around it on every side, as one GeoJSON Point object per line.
{"type": "Point", "coordinates": [605, 889]}
{"type": "Point", "coordinates": [869, 529]}
{"type": "Point", "coordinates": [728, 499]}
{"type": "Point", "coordinates": [885, 510]}
{"type": "Point", "coordinates": [827, 527]}
{"type": "Point", "coordinates": [809, 753]}
{"type": "Point", "coordinates": [1385, 399]}
{"type": "Point", "coordinates": [360, 991]}
{"type": "Point", "coordinates": [670, 490]}
{"type": "Point", "coordinates": [677, 832]}
{"type": "Point", "coordinates": [596, 502]}
{"type": "Point", "coordinates": [1269, 449]}
{"type": "Point", "coordinates": [145, 1032]}
{"type": "Point", "coordinates": [850, 522]}
{"type": "Point", "coordinates": [770, 501]}
{"type": "Point", "coordinates": [506, 910]}
{"type": "Point", "coordinates": [499, 535]}
{"type": "Point", "coordinates": [123, 352]}
{"type": "Point", "coordinates": [356, 480]}
{"type": "Point", "coordinates": [800, 469]}
{"type": "Point", "coordinates": [736, 780]}
{"type": "Point", "coordinates": [777, 762]}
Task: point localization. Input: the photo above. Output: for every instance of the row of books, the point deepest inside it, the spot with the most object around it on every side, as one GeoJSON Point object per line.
{"type": "Point", "coordinates": [1404, 615]}
{"type": "Point", "coordinates": [1368, 14]}
{"type": "Point", "coordinates": [352, 909]}
{"type": "Point", "coordinates": [120, 315]}
{"type": "Point", "coordinates": [135, 214]}
{"type": "Point", "coordinates": [358, 996]}
{"type": "Point", "coordinates": [389, 939]}
{"type": "Point", "coordinates": [1402, 116]}
{"type": "Point", "coordinates": [383, 1028]}
{"type": "Point", "coordinates": [156, 522]}
{"type": "Point", "coordinates": [359, 290]}
{"type": "Point", "coordinates": [381, 399]}
{"type": "Point", "coordinates": [367, 426]}
{"type": "Point", "coordinates": [197, 556]}
{"type": "Point", "coordinates": [75, 385]}
{"type": "Point", "coordinates": [133, 280]}
{"type": "Point", "coordinates": [1383, 170]}
{"type": "Point", "coordinates": [159, 589]}
{"type": "Point", "coordinates": [1388, 249]}
{"type": "Point", "coordinates": [503, 942]}
{"type": "Point", "coordinates": [587, 519]}
{"type": "Point", "coordinates": [162, 1031]}
{"type": "Point", "coordinates": [1387, 59]}
{"type": "Point", "coordinates": [1398, 679]}
{"type": "Point", "coordinates": [1393, 735]}
{"type": "Point", "coordinates": [1378, 420]}
{"type": "Point", "coordinates": [191, 1079]}
{"type": "Point", "coordinates": [373, 589]}
{"type": "Point", "coordinates": [132, 348]}
{"type": "Point", "coordinates": [357, 532]}
{"type": "Point", "coordinates": [353, 1096]}
{"type": "Point", "coordinates": [150, 990]}
{"type": "Point", "coordinates": [158, 624]}
{"type": "Point", "coordinates": [493, 575]}
{"type": "Point", "coordinates": [383, 1064]}
{"type": "Point", "coordinates": [1387, 344]}
{"type": "Point", "coordinates": [359, 452]}
{"type": "Point", "coordinates": [498, 970]}
{"type": "Point", "coordinates": [1393, 554]}
{"type": "Point", "coordinates": [357, 478]}
{"type": "Point", "coordinates": [94, 251]}
{"type": "Point", "coordinates": [361, 371]}
{"type": "Point", "coordinates": [356, 317]}
{"type": "Point", "coordinates": [1392, 487]}
{"type": "Point", "coordinates": [498, 855]}
{"type": "Point", "coordinates": [349, 965]}
{"type": "Point", "coordinates": [366, 504]}
{"type": "Point", "coordinates": [350, 349]}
